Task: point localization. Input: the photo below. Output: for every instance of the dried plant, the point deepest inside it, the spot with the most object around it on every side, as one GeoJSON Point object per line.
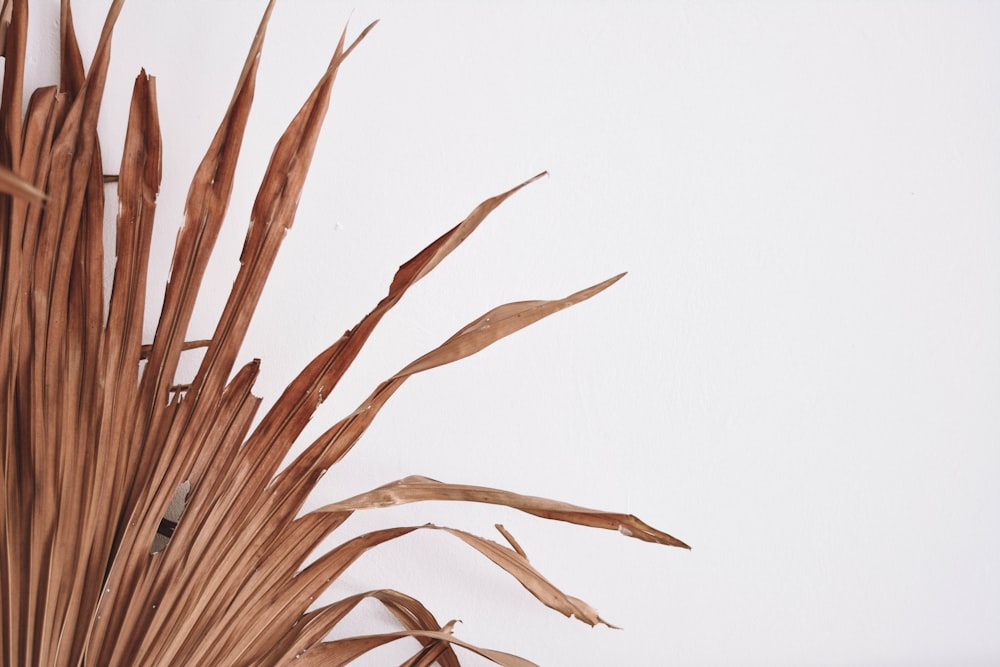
{"type": "Point", "coordinates": [97, 437]}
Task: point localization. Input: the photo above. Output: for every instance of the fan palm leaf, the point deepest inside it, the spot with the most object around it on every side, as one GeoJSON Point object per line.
{"type": "Point", "coordinates": [98, 435]}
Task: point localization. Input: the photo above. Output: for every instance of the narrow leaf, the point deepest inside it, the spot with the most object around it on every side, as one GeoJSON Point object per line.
{"type": "Point", "coordinates": [315, 625]}
{"type": "Point", "coordinates": [13, 184]}
{"type": "Point", "coordinates": [343, 651]}
{"type": "Point", "coordinates": [416, 489]}
{"type": "Point", "coordinates": [497, 324]}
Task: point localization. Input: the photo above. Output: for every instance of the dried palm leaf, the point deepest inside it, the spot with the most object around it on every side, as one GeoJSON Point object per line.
{"type": "Point", "coordinates": [97, 434]}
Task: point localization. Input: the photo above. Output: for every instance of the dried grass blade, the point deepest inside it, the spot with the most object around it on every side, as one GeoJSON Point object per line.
{"type": "Point", "coordinates": [72, 74]}
{"type": "Point", "coordinates": [517, 565]}
{"type": "Point", "coordinates": [334, 361]}
{"type": "Point", "coordinates": [344, 651]}
{"type": "Point", "coordinates": [279, 603]}
{"type": "Point", "coordinates": [315, 625]}
{"type": "Point", "coordinates": [13, 37]}
{"type": "Point", "coordinates": [233, 539]}
{"type": "Point", "coordinates": [481, 333]}
{"type": "Point", "coordinates": [12, 184]}
{"type": "Point", "coordinates": [415, 489]}
{"type": "Point", "coordinates": [225, 503]}
{"type": "Point", "coordinates": [434, 650]}
{"type": "Point", "coordinates": [293, 484]}
{"type": "Point", "coordinates": [510, 539]}
{"type": "Point", "coordinates": [291, 600]}
{"type": "Point", "coordinates": [272, 215]}
{"type": "Point", "coordinates": [205, 208]}
{"type": "Point", "coordinates": [17, 242]}
{"type": "Point", "coordinates": [425, 261]}
{"type": "Point", "coordinates": [69, 263]}
{"type": "Point", "coordinates": [429, 655]}
{"type": "Point", "coordinates": [310, 629]}
{"type": "Point", "coordinates": [190, 585]}
{"type": "Point", "coordinates": [114, 460]}
{"type": "Point", "coordinates": [261, 574]}
{"type": "Point", "coordinates": [227, 555]}
{"type": "Point", "coordinates": [497, 324]}
{"type": "Point", "coordinates": [16, 342]}
{"type": "Point", "coordinates": [14, 30]}
{"type": "Point", "coordinates": [160, 470]}
{"type": "Point", "coordinates": [138, 186]}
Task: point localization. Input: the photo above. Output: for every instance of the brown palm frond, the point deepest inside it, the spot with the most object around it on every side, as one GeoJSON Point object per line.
{"type": "Point", "coordinates": [98, 435]}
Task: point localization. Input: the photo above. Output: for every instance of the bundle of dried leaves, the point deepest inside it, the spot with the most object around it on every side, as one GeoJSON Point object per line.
{"type": "Point", "coordinates": [97, 437]}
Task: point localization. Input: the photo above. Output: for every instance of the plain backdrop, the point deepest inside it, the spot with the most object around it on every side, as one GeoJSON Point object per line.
{"type": "Point", "coordinates": [800, 375]}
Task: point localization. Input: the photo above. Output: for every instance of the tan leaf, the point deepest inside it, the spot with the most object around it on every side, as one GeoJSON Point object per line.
{"type": "Point", "coordinates": [317, 624]}
{"type": "Point", "coordinates": [13, 184]}
{"type": "Point", "coordinates": [343, 651]}
{"type": "Point", "coordinates": [498, 323]}
{"type": "Point", "coordinates": [416, 488]}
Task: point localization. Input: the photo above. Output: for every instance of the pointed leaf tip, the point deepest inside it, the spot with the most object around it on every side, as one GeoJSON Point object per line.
{"type": "Point", "coordinates": [12, 184]}
{"type": "Point", "coordinates": [499, 323]}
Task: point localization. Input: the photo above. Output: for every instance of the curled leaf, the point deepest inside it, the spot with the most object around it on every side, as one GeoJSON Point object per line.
{"type": "Point", "coordinates": [415, 489]}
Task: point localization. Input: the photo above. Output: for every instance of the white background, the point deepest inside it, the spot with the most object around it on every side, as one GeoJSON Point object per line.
{"type": "Point", "coordinates": [800, 376]}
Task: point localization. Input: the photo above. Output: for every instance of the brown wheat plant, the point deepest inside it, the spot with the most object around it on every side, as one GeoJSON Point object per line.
{"type": "Point", "coordinates": [97, 436]}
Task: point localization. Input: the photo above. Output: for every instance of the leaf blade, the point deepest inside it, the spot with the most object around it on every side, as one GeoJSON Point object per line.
{"type": "Point", "coordinates": [417, 489]}
{"type": "Point", "coordinates": [497, 324]}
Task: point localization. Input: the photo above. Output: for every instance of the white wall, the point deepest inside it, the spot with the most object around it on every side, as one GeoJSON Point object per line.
{"type": "Point", "coordinates": [800, 376]}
